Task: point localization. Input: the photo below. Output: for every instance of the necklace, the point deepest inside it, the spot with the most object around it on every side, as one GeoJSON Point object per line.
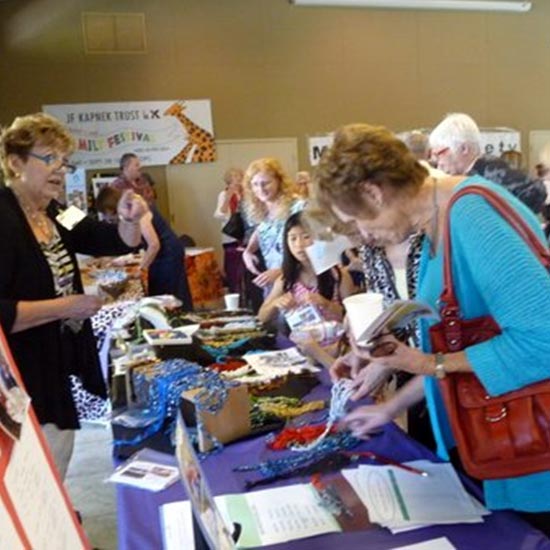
{"type": "Point", "coordinates": [38, 219]}
{"type": "Point", "coordinates": [434, 225]}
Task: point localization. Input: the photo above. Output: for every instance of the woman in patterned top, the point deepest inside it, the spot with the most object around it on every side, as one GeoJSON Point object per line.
{"type": "Point", "coordinates": [44, 312]}
{"type": "Point", "coordinates": [269, 200]}
{"type": "Point", "coordinates": [299, 285]}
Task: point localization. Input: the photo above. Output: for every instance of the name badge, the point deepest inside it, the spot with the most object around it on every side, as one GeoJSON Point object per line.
{"type": "Point", "coordinates": [70, 217]}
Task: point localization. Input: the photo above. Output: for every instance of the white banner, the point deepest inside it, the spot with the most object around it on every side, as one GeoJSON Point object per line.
{"type": "Point", "coordinates": [159, 132]}
{"type": "Point", "coordinates": [494, 141]}
{"type": "Point", "coordinates": [316, 145]}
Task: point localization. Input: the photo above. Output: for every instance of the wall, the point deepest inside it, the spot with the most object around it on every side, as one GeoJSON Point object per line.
{"type": "Point", "coordinates": [273, 69]}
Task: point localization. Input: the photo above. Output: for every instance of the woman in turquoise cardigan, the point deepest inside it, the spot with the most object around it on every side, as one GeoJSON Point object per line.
{"type": "Point", "coordinates": [369, 178]}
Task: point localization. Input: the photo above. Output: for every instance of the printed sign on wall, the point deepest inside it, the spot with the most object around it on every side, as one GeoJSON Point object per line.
{"type": "Point", "coordinates": [494, 141]}
{"type": "Point", "coordinates": [159, 132]}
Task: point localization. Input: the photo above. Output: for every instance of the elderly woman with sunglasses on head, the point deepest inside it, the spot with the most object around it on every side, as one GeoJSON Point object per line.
{"type": "Point", "coordinates": [45, 313]}
{"type": "Point", "coordinates": [369, 178]}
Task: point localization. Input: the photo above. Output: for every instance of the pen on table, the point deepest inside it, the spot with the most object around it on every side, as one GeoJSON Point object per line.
{"type": "Point", "coordinates": [385, 460]}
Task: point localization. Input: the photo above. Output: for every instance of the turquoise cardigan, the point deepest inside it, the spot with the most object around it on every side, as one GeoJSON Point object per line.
{"type": "Point", "coordinates": [494, 273]}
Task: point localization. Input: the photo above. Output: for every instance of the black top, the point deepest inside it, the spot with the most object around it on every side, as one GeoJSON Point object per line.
{"type": "Point", "coordinates": [530, 191]}
{"type": "Point", "coordinates": [47, 354]}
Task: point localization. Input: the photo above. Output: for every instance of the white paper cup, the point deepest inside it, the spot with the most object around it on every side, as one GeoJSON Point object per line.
{"type": "Point", "coordinates": [232, 301]}
{"type": "Point", "coordinates": [362, 310]}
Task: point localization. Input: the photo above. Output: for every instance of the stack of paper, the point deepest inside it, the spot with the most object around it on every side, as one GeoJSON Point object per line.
{"type": "Point", "coordinates": [401, 500]}
{"type": "Point", "coordinates": [271, 516]}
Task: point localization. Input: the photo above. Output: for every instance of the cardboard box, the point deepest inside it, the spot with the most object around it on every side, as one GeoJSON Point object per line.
{"type": "Point", "coordinates": [230, 423]}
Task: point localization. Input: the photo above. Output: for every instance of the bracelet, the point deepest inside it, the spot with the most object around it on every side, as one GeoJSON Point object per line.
{"type": "Point", "coordinates": [127, 220]}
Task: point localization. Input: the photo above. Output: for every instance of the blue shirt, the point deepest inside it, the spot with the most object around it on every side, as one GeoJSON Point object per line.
{"type": "Point", "coordinates": [494, 273]}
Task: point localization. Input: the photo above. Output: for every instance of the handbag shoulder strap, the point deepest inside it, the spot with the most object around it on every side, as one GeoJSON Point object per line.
{"type": "Point", "coordinates": [502, 206]}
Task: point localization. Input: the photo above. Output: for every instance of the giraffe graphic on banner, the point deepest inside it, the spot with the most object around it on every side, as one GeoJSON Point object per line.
{"type": "Point", "coordinates": [200, 141]}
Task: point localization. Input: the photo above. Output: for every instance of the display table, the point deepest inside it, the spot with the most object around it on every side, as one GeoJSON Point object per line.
{"type": "Point", "coordinates": [139, 525]}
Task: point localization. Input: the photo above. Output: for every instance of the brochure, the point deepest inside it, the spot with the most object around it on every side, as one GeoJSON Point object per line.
{"type": "Point", "coordinates": [398, 315]}
{"type": "Point", "coordinates": [145, 474]}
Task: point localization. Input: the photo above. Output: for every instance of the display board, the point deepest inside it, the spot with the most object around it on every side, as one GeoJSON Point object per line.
{"type": "Point", "coordinates": [494, 142]}
{"type": "Point", "coordinates": [35, 511]}
{"type": "Point", "coordinates": [159, 132]}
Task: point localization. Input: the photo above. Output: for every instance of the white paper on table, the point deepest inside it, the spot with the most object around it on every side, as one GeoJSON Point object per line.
{"type": "Point", "coordinates": [176, 520]}
{"type": "Point", "coordinates": [412, 526]}
{"type": "Point", "coordinates": [326, 254]}
{"type": "Point", "coordinates": [144, 474]}
{"type": "Point", "coordinates": [278, 515]}
{"type": "Point", "coordinates": [279, 362]}
{"type": "Point", "coordinates": [396, 498]}
{"type": "Point", "coordinates": [442, 543]}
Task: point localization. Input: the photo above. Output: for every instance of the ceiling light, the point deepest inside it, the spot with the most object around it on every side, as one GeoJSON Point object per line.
{"type": "Point", "coordinates": [458, 5]}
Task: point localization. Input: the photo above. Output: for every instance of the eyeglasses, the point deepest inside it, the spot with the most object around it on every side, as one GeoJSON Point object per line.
{"type": "Point", "coordinates": [438, 152]}
{"type": "Point", "coordinates": [51, 158]}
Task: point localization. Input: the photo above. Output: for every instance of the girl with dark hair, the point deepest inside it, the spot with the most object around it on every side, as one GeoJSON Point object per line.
{"type": "Point", "coordinates": [299, 285]}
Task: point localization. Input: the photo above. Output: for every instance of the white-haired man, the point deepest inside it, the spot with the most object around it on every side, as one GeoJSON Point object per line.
{"type": "Point", "coordinates": [456, 148]}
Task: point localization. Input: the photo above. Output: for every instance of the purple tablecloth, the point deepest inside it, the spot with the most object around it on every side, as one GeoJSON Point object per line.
{"type": "Point", "coordinates": [138, 511]}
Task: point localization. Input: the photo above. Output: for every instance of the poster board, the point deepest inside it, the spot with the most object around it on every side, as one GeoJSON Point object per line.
{"type": "Point", "coordinates": [494, 142]}
{"type": "Point", "coordinates": [160, 132]}
{"type": "Point", "coordinates": [35, 510]}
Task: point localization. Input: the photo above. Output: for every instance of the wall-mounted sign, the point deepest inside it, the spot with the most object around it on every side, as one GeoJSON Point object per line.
{"type": "Point", "coordinates": [159, 132]}
{"type": "Point", "coordinates": [494, 141]}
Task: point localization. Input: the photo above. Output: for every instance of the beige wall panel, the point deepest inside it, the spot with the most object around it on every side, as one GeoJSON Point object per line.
{"type": "Point", "coordinates": [272, 69]}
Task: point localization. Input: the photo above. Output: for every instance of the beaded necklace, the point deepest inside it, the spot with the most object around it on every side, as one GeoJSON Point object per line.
{"type": "Point", "coordinates": [37, 218]}
{"type": "Point", "coordinates": [287, 407]}
{"type": "Point", "coordinates": [272, 470]}
{"type": "Point", "coordinates": [158, 390]}
{"type": "Point", "coordinates": [341, 391]}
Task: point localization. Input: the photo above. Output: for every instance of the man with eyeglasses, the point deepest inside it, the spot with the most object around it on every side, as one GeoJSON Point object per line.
{"type": "Point", "coordinates": [456, 149]}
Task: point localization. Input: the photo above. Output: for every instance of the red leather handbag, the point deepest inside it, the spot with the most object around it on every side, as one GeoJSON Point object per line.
{"type": "Point", "coordinates": [497, 437]}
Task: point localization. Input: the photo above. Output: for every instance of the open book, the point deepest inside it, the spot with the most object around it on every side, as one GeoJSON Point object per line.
{"type": "Point", "coordinates": [398, 315]}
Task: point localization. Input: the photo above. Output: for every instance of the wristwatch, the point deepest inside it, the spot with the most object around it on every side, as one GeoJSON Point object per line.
{"type": "Point", "coordinates": [440, 371]}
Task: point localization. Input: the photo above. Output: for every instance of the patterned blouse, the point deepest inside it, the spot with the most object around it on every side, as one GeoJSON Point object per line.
{"type": "Point", "coordinates": [63, 271]}
{"type": "Point", "coordinates": [380, 277]}
{"type": "Point", "coordinates": [270, 235]}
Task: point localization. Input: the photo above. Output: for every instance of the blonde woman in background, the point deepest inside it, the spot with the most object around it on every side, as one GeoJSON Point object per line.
{"type": "Point", "coordinates": [269, 201]}
{"type": "Point", "coordinates": [228, 203]}
{"type": "Point", "coordinates": [303, 182]}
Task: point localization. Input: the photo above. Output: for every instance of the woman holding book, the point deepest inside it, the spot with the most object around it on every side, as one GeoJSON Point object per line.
{"type": "Point", "coordinates": [368, 178]}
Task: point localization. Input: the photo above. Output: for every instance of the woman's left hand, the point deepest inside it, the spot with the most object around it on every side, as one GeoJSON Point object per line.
{"type": "Point", "coordinates": [131, 207]}
{"type": "Point", "coordinates": [367, 420]}
{"type": "Point", "coordinates": [267, 277]}
{"type": "Point", "coordinates": [403, 357]}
